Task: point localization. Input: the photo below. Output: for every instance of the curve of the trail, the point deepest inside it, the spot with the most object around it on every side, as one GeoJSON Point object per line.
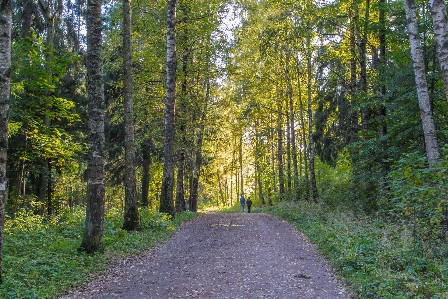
{"type": "Point", "coordinates": [223, 256]}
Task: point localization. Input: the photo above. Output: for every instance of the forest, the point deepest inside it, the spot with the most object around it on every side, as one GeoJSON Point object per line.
{"type": "Point", "coordinates": [331, 114]}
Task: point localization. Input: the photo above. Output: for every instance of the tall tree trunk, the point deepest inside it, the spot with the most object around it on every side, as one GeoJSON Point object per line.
{"type": "Point", "coordinates": [94, 223]}
{"type": "Point", "coordinates": [314, 194]}
{"type": "Point", "coordinates": [166, 195]}
{"type": "Point", "coordinates": [440, 21]}
{"type": "Point", "coordinates": [292, 129]}
{"type": "Point", "coordinates": [5, 73]}
{"type": "Point", "coordinates": [288, 150]}
{"type": "Point", "coordinates": [303, 131]}
{"type": "Point", "coordinates": [146, 163]}
{"type": "Point", "coordinates": [281, 175]}
{"type": "Point", "coordinates": [131, 221]}
{"type": "Point", "coordinates": [382, 60]}
{"type": "Point", "coordinates": [181, 119]}
{"type": "Point", "coordinates": [194, 193]}
{"type": "Point", "coordinates": [432, 149]}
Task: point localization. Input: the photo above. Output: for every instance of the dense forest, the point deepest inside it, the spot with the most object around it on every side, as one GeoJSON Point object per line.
{"type": "Point", "coordinates": [174, 106]}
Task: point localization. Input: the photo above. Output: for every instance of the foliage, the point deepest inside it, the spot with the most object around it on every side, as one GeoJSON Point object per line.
{"type": "Point", "coordinates": [418, 196]}
{"type": "Point", "coordinates": [41, 258]}
{"type": "Point", "coordinates": [375, 258]}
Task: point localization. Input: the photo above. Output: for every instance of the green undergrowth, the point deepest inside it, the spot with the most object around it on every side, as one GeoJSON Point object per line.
{"type": "Point", "coordinates": [375, 258]}
{"type": "Point", "coordinates": [40, 256]}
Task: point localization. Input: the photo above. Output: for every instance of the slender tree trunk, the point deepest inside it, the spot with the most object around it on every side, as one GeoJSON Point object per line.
{"type": "Point", "coordinates": [5, 73]}
{"type": "Point", "coordinates": [146, 163]}
{"type": "Point", "coordinates": [181, 119]}
{"type": "Point", "coordinates": [131, 221]}
{"type": "Point", "coordinates": [314, 194]}
{"type": "Point", "coordinates": [440, 21]}
{"type": "Point", "coordinates": [166, 195]}
{"type": "Point", "coordinates": [180, 189]}
{"type": "Point", "coordinates": [303, 130]}
{"type": "Point", "coordinates": [94, 223]}
{"type": "Point", "coordinates": [288, 150]}
{"type": "Point", "coordinates": [292, 129]}
{"type": "Point", "coordinates": [281, 175]}
{"type": "Point", "coordinates": [241, 165]}
{"type": "Point", "coordinates": [271, 137]}
{"type": "Point", "coordinates": [382, 60]}
{"type": "Point", "coordinates": [194, 193]}
{"type": "Point", "coordinates": [432, 149]}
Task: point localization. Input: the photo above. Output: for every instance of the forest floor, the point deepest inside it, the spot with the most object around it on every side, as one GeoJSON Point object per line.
{"type": "Point", "coordinates": [215, 256]}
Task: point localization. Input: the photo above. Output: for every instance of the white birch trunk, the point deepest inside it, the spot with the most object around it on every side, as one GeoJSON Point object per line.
{"type": "Point", "coordinates": [429, 131]}
{"type": "Point", "coordinates": [440, 21]}
{"type": "Point", "coordinates": [166, 195]}
{"type": "Point", "coordinates": [5, 73]}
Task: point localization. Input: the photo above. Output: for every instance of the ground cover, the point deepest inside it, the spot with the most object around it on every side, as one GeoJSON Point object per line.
{"type": "Point", "coordinates": [376, 258]}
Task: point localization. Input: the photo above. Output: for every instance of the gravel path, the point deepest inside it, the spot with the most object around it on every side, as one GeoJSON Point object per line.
{"type": "Point", "coordinates": [223, 256]}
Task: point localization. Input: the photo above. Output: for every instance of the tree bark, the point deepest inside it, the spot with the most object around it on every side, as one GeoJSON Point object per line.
{"type": "Point", "coordinates": [314, 194]}
{"type": "Point", "coordinates": [131, 219]}
{"type": "Point", "coordinates": [166, 195]}
{"type": "Point", "coordinates": [440, 21]}
{"type": "Point", "coordinates": [5, 75]}
{"type": "Point", "coordinates": [146, 163]}
{"type": "Point", "coordinates": [432, 149]}
{"type": "Point", "coordinates": [292, 129]}
{"type": "Point", "coordinates": [281, 175]}
{"type": "Point", "coordinates": [94, 223]}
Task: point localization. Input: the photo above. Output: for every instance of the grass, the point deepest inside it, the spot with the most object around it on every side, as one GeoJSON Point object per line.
{"type": "Point", "coordinates": [376, 259]}
{"type": "Point", "coordinates": [40, 256]}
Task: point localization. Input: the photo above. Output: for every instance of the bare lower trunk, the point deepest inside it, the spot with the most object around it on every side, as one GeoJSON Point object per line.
{"type": "Point", "coordinates": [5, 73]}
{"type": "Point", "coordinates": [146, 163]}
{"type": "Point", "coordinates": [180, 190]}
{"type": "Point", "coordinates": [94, 223]}
{"type": "Point", "coordinates": [432, 149]}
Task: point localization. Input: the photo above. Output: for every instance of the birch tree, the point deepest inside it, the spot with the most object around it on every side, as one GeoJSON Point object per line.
{"type": "Point", "coordinates": [429, 131]}
{"type": "Point", "coordinates": [5, 72]}
{"type": "Point", "coordinates": [440, 21]}
{"type": "Point", "coordinates": [166, 196]}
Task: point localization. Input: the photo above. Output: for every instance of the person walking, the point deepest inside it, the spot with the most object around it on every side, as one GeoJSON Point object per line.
{"type": "Point", "coordinates": [242, 202]}
{"type": "Point", "coordinates": [249, 204]}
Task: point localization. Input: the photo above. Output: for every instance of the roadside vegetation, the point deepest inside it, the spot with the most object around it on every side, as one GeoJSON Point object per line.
{"type": "Point", "coordinates": [41, 259]}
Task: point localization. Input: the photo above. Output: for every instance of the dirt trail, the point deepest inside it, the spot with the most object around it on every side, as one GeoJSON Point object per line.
{"type": "Point", "coordinates": [215, 256]}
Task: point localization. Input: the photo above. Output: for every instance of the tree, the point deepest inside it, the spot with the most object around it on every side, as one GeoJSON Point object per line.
{"type": "Point", "coordinates": [166, 195]}
{"type": "Point", "coordinates": [429, 131]}
{"type": "Point", "coordinates": [5, 73]}
{"type": "Point", "coordinates": [440, 21]}
{"type": "Point", "coordinates": [131, 221]}
{"type": "Point", "coordinates": [94, 223]}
